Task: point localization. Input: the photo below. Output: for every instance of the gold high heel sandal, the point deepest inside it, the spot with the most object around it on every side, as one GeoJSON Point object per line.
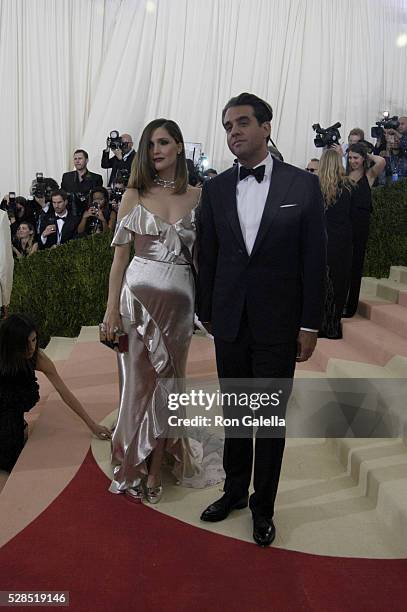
{"type": "Point", "coordinates": [135, 494]}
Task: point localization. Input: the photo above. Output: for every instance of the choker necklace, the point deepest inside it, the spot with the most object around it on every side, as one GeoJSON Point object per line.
{"type": "Point", "coordinates": [165, 183]}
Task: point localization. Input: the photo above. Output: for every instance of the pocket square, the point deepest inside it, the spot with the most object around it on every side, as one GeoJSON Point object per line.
{"type": "Point", "coordinates": [287, 205]}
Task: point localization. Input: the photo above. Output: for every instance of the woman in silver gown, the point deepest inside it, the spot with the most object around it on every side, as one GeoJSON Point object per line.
{"type": "Point", "coordinates": [152, 300]}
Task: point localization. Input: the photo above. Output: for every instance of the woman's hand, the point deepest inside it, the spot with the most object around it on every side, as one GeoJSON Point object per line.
{"type": "Point", "coordinates": [112, 322]}
{"type": "Point", "coordinates": [338, 149]}
{"type": "Point", "coordinates": [101, 432]}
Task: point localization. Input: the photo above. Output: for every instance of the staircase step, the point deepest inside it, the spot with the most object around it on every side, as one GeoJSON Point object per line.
{"type": "Point", "coordinates": [369, 285]}
{"type": "Point", "coordinates": [373, 341]}
{"type": "Point", "coordinates": [392, 290]}
{"type": "Point", "coordinates": [391, 317]}
{"type": "Point", "coordinates": [341, 368]}
{"type": "Point", "coordinates": [398, 273]}
{"type": "Point", "coordinates": [59, 349]}
{"type": "Point", "coordinates": [338, 349]}
{"type": "Point", "coordinates": [366, 303]}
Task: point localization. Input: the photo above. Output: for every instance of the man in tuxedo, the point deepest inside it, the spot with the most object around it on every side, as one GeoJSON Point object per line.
{"type": "Point", "coordinates": [262, 254]}
{"type": "Point", "coordinates": [6, 263]}
{"type": "Point", "coordinates": [61, 227]}
{"type": "Point", "coordinates": [122, 158]}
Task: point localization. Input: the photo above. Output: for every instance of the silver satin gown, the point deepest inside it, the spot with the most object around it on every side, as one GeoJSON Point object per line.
{"type": "Point", "coordinates": [157, 310]}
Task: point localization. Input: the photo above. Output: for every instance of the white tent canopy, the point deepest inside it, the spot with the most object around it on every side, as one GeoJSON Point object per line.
{"type": "Point", "coordinates": [72, 70]}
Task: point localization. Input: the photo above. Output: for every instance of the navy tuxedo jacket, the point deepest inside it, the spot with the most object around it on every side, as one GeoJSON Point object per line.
{"type": "Point", "coordinates": [282, 282]}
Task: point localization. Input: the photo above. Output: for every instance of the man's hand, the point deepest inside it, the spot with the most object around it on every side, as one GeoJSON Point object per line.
{"type": "Point", "coordinates": [118, 153]}
{"type": "Point", "coordinates": [50, 229]}
{"type": "Point", "coordinates": [306, 342]}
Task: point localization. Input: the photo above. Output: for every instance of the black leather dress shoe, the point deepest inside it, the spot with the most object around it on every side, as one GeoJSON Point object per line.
{"type": "Point", "coordinates": [264, 531]}
{"type": "Point", "coordinates": [222, 507]}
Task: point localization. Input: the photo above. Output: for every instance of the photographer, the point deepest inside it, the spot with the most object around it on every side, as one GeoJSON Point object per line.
{"type": "Point", "coordinates": [18, 210]}
{"type": "Point", "coordinates": [41, 189]}
{"type": "Point", "coordinates": [98, 217]}
{"type": "Point", "coordinates": [123, 155]}
{"type": "Point", "coordinates": [60, 227]}
{"type": "Point", "coordinates": [396, 158]}
{"type": "Point", "coordinates": [403, 134]}
{"type": "Point", "coordinates": [80, 181]}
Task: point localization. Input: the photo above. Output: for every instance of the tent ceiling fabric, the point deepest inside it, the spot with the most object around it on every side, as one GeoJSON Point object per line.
{"type": "Point", "coordinates": [72, 71]}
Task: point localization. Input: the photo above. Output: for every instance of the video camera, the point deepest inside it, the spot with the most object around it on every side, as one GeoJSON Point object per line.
{"type": "Point", "coordinates": [114, 141]}
{"type": "Point", "coordinates": [387, 123]}
{"type": "Point", "coordinates": [326, 137]}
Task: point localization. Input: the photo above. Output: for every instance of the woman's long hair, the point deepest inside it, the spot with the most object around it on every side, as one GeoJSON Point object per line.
{"type": "Point", "coordinates": [362, 150]}
{"type": "Point", "coordinates": [332, 177]}
{"type": "Point", "coordinates": [14, 333]}
{"type": "Point", "coordinates": [31, 239]}
{"type": "Point", "coordinates": [142, 171]}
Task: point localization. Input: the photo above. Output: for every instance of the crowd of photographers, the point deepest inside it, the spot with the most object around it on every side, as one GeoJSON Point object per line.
{"type": "Point", "coordinates": [51, 216]}
{"type": "Point", "coordinates": [390, 135]}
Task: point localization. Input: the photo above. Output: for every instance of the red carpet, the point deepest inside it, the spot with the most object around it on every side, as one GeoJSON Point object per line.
{"type": "Point", "coordinates": [114, 555]}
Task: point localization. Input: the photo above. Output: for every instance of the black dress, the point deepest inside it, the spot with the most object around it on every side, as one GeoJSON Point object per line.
{"type": "Point", "coordinates": [361, 211]}
{"type": "Point", "coordinates": [339, 259]}
{"type": "Point", "coordinates": [18, 394]}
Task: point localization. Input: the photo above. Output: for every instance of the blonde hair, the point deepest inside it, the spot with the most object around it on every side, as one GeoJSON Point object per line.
{"type": "Point", "coordinates": [142, 172]}
{"type": "Point", "coordinates": [332, 177]}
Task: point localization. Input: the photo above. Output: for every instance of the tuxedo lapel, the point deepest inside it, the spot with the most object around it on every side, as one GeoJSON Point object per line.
{"type": "Point", "coordinates": [279, 185]}
{"type": "Point", "coordinates": [230, 204]}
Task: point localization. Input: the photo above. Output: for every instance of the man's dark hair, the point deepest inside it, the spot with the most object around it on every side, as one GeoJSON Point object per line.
{"type": "Point", "coordinates": [59, 192]}
{"type": "Point", "coordinates": [210, 171]}
{"type": "Point", "coordinates": [261, 109]}
{"type": "Point", "coordinates": [14, 333]}
{"type": "Point", "coordinates": [81, 151]}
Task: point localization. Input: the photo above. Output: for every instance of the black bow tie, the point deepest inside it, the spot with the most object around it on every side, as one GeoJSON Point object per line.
{"type": "Point", "coordinates": [62, 218]}
{"type": "Point", "coordinates": [258, 173]}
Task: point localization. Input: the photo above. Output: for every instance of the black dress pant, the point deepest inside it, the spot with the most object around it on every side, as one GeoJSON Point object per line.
{"type": "Point", "coordinates": [361, 222]}
{"type": "Point", "coordinates": [246, 359]}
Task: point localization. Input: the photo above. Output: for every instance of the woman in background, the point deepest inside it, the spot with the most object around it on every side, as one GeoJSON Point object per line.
{"type": "Point", "coordinates": [363, 169]}
{"type": "Point", "coordinates": [20, 357]}
{"type": "Point", "coordinates": [25, 242]}
{"type": "Point", "coordinates": [337, 190]}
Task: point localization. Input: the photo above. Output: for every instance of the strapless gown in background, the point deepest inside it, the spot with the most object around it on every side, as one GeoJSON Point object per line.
{"type": "Point", "coordinates": [157, 310]}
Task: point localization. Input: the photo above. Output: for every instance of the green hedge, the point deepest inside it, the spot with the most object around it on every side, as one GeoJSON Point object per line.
{"type": "Point", "coordinates": [387, 245]}
{"type": "Point", "coordinates": [65, 288]}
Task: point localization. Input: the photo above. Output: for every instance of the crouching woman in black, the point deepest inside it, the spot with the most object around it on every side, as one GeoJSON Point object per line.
{"type": "Point", "coordinates": [19, 390]}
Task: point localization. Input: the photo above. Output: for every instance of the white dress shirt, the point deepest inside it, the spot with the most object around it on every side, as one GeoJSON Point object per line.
{"type": "Point", "coordinates": [60, 224]}
{"type": "Point", "coordinates": [251, 198]}
{"type": "Point", "coordinates": [6, 260]}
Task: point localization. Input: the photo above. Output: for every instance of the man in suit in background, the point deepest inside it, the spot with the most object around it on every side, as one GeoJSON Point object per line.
{"type": "Point", "coordinates": [262, 254]}
{"type": "Point", "coordinates": [122, 157]}
{"type": "Point", "coordinates": [61, 227]}
{"type": "Point", "coordinates": [6, 263]}
{"type": "Point", "coordinates": [80, 181]}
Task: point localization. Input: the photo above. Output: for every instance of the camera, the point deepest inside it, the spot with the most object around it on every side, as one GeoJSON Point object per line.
{"type": "Point", "coordinates": [122, 176]}
{"type": "Point", "coordinates": [326, 137]}
{"type": "Point", "coordinates": [11, 210]}
{"type": "Point", "coordinates": [43, 187]}
{"type": "Point", "coordinates": [387, 123]}
{"type": "Point", "coordinates": [114, 141]}
{"type": "Point", "coordinates": [116, 195]}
